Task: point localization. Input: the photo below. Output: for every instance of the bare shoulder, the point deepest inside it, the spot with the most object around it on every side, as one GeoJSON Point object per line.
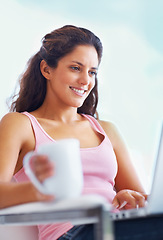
{"type": "Point", "coordinates": [112, 131]}
{"type": "Point", "coordinates": [109, 127]}
{"type": "Point", "coordinates": [11, 115]}
{"type": "Point", "coordinates": [13, 118]}
{"type": "Point", "coordinates": [14, 122]}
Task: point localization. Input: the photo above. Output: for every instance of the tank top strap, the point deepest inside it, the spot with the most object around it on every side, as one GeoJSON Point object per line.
{"type": "Point", "coordinates": [95, 124]}
{"type": "Point", "coordinates": [40, 135]}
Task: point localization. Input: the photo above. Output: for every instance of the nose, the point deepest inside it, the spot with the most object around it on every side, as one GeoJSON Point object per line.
{"type": "Point", "coordinates": [84, 78]}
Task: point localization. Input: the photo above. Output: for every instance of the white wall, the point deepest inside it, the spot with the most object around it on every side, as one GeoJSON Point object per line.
{"type": "Point", "coordinates": [131, 72]}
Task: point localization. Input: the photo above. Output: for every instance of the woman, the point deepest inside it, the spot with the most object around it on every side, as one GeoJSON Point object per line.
{"type": "Point", "coordinates": [57, 99]}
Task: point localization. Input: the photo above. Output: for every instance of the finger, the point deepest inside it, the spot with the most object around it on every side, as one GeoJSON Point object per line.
{"type": "Point", "coordinates": [44, 197]}
{"type": "Point", "coordinates": [122, 205]}
{"type": "Point", "coordinates": [128, 198]}
{"type": "Point", "coordinates": [135, 200]}
{"type": "Point", "coordinates": [42, 167]}
{"type": "Point", "coordinates": [44, 175]}
{"type": "Point", "coordinates": [145, 195]}
{"type": "Point", "coordinates": [115, 202]}
{"type": "Point", "coordinates": [140, 199]}
{"type": "Point", "coordinates": [39, 160]}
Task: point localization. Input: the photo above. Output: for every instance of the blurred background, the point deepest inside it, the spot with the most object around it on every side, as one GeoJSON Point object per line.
{"type": "Point", "coordinates": [131, 71]}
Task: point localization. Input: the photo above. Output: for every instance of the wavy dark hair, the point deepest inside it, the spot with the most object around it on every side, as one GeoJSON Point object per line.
{"type": "Point", "coordinates": [55, 46]}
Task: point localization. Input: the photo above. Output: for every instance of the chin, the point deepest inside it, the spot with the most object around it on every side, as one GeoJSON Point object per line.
{"type": "Point", "coordinates": [77, 105]}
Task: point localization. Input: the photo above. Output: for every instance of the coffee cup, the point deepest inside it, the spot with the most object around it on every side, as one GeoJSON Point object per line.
{"type": "Point", "coordinates": [67, 181]}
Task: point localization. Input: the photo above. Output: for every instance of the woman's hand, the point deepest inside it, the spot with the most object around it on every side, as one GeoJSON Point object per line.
{"type": "Point", "coordinates": [42, 167]}
{"type": "Point", "coordinates": [127, 199]}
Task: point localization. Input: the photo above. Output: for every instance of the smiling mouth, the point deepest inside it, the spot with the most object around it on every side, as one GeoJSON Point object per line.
{"type": "Point", "coordinates": [80, 91]}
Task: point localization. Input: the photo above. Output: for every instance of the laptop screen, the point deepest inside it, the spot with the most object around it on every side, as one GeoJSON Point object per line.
{"type": "Point", "coordinates": [156, 197]}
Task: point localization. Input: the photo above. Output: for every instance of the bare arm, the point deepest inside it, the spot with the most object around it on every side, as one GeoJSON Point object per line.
{"type": "Point", "coordinates": [15, 140]}
{"type": "Point", "coordinates": [19, 193]}
{"type": "Point", "coordinates": [127, 178]}
{"type": "Point", "coordinates": [12, 137]}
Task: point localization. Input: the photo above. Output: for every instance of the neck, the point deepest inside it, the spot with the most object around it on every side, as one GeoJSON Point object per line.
{"type": "Point", "coordinates": [65, 115]}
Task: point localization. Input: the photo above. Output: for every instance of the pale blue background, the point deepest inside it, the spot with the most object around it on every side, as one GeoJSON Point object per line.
{"type": "Point", "coordinates": [131, 72]}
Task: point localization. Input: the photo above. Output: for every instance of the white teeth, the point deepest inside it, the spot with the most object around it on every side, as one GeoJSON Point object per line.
{"type": "Point", "coordinates": [77, 90]}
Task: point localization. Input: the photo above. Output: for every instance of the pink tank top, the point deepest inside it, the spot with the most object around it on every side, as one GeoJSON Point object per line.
{"type": "Point", "coordinates": [99, 170]}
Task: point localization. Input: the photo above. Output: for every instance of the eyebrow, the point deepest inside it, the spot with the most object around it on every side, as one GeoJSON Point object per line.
{"type": "Point", "coordinates": [95, 68]}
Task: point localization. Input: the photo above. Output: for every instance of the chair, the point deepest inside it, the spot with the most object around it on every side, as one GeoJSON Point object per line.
{"type": "Point", "coordinates": [19, 222]}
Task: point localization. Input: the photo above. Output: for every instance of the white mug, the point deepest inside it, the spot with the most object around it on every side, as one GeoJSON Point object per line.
{"type": "Point", "coordinates": [67, 181]}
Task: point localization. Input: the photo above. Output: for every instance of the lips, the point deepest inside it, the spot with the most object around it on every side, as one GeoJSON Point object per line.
{"type": "Point", "coordinates": [78, 91]}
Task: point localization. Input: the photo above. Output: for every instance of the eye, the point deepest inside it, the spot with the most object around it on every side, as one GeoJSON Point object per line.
{"type": "Point", "coordinates": [93, 73]}
{"type": "Point", "coordinates": [75, 68]}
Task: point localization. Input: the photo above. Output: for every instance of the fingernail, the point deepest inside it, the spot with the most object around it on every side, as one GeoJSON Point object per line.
{"type": "Point", "coordinates": [117, 206]}
{"type": "Point", "coordinates": [123, 204]}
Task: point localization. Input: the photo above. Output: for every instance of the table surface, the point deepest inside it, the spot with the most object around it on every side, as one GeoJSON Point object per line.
{"type": "Point", "coordinates": [85, 209]}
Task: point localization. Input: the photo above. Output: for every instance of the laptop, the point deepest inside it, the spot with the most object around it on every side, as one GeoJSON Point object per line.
{"type": "Point", "coordinates": [155, 200]}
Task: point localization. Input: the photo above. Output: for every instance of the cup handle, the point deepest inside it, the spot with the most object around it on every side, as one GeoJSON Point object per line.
{"type": "Point", "coordinates": [31, 175]}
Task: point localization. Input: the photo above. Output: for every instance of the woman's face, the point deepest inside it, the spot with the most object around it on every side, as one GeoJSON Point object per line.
{"type": "Point", "coordinates": [74, 77]}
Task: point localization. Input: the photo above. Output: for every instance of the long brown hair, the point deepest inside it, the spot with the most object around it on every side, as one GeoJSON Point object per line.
{"type": "Point", "coordinates": [55, 45]}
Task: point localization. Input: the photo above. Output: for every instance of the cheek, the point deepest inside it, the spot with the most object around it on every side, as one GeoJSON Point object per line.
{"type": "Point", "coordinates": [92, 84]}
